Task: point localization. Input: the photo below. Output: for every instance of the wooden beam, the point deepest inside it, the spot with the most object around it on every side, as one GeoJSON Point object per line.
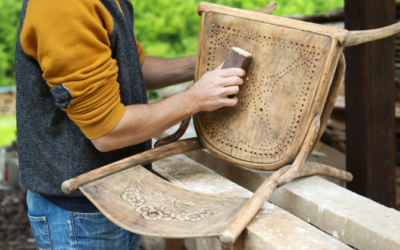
{"type": "Point", "coordinates": [272, 227]}
{"type": "Point", "coordinates": [370, 103]}
{"type": "Point", "coordinates": [354, 219]}
{"type": "Point", "coordinates": [366, 224]}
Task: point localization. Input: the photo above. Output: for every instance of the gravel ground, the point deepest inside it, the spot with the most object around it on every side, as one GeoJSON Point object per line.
{"type": "Point", "coordinates": [15, 231]}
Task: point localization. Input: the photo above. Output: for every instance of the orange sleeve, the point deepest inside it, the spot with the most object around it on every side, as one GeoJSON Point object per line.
{"type": "Point", "coordinates": [70, 41]}
{"type": "Point", "coordinates": [141, 52]}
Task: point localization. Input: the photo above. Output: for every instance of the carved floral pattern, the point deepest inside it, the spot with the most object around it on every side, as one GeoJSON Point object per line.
{"type": "Point", "coordinates": [133, 197]}
{"type": "Point", "coordinates": [155, 205]}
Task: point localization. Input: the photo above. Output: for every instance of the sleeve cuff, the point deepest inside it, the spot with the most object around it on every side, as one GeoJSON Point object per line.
{"type": "Point", "coordinates": [105, 125]}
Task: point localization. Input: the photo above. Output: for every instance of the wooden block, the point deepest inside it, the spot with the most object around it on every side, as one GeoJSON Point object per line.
{"type": "Point", "coordinates": [244, 177]}
{"type": "Point", "coordinates": [356, 220]}
{"type": "Point", "coordinates": [237, 58]}
{"type": "Point", "coordinates": [270, 229]}
{"type": "Point", "coordinates": [330, 202]}
{"type": "Point", "coordinates": [325, 205]}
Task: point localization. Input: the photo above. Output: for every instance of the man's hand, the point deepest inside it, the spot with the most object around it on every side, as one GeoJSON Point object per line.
{"type": "Point", "coordinates": [144, 121]}
{"type": "Point", "coordinates": [212, 91]}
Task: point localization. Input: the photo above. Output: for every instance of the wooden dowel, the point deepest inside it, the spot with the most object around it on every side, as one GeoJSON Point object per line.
{"type": "Point", "coordinates": [332, 96]}
{"type": "Point", "coordinates": [313, 168]}
{"type": "Point", "coordinates": [237, 58]}
{"type": "Point", "coordinates": [304, 152]}
{"type": "Point", "coordinates": [279, 178]}
{"type": "Point", "coordinates": [268, 9]}
{"type": "Point", "coordinates": [144, 158]}
{"type": "Point", "coordinates": [251, 207]}
{"type": "Point", "coordinates": [175, 136]}
{"type": "Point", "coordinates": [359, 37]}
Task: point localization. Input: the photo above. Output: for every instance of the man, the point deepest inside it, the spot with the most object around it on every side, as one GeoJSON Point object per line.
{"type": "Point", "coordinates": [81, 104]}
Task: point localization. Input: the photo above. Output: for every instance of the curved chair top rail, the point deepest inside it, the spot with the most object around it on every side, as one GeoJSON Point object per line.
{"type": "Point", "coordinates": [344, 37]}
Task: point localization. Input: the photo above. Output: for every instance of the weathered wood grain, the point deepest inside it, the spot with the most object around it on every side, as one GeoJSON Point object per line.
{"type": "Point", "coordinates": [307, 197]}
{"type": "Point", "coordinates": [279, 178]}
{"type": "Point", "coordinates": [359, 37]}
{"type": "Point", "coordinates": [332, 96]}
{"type": "Point", "coordinates": [252, 179]}
{"type": "Point", "coordinates": [271, 228]}
{"type": "Point", "coordinates": [147, 205]}
{"type": "Point", "coordinates": [286, 85]}
{"type": "Point", "coordinates": [366, 224]}
{"type": "Point", "coordinates": [355, 220]}
{"type": "Point", "coordinates": [338, 34]}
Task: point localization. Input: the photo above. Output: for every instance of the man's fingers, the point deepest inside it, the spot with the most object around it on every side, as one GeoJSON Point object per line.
{"type": "Point", "coordinates": [231, 90]}
{"type": "Point", "coordinates": [232, 72]}
{"type": "Point", "coordinates": [230, 81]}
{"type": "Point", "coordinates": [229, 101]}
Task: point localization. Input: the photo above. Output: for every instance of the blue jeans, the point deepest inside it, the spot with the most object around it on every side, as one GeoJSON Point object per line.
{"type": "Point", "coordinates": [55, 228]}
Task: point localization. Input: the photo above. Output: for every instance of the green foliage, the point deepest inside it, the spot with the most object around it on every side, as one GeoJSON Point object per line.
{"type": "Point", "coordinates": [9, 18]}
{"type": "Point", "coordinates": [165, 28]}
{"type": "Point", "coordinates": [8, 128]}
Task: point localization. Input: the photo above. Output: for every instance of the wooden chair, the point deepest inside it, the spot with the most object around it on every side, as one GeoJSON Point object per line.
{"type": "Point", "coordinates": [290, 88]}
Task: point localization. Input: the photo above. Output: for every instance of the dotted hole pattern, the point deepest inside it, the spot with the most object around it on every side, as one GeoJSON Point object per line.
{"type": "Point", "coordinates": [252, 93]}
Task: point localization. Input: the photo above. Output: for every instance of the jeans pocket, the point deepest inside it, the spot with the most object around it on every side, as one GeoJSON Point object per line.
{"type": "Point", "coordinates": [40, 231]}
{"type": "Point", "coordinates": [94, 231]}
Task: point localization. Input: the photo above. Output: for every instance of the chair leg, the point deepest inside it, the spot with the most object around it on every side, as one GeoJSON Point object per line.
{"type": "Point", "coordinates": [279, 178]}
{"type": "Point", "coordinates": [237, 245]}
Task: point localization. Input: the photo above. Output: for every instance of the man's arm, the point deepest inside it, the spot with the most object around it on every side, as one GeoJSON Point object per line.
{"type": "Point", "coordinates": [142, 122]}
{"type": "Point", "coordinates": [159, 72]}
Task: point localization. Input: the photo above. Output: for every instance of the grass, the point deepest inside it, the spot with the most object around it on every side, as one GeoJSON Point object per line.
{"type": "Point", "coordinates": [8, 128]}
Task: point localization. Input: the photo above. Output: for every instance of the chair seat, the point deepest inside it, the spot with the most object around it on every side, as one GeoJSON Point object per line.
{"type": "Point", "coordinates": [148, 205]}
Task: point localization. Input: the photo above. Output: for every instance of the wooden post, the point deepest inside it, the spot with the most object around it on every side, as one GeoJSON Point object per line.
{"type": "Point", "coordinates": [370, 103]}
{"type": "Point", "coordinates": [174, 244]}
